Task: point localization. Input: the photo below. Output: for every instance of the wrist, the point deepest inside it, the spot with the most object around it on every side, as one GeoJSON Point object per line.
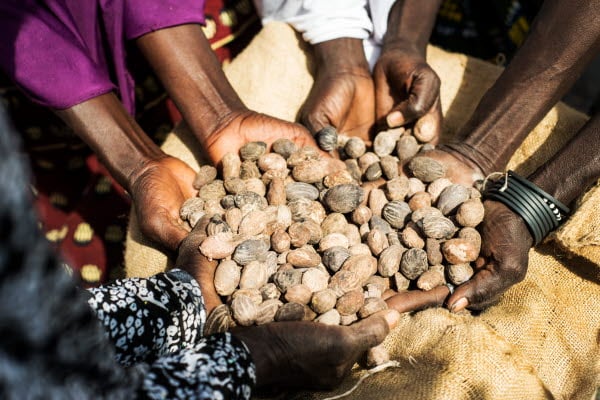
{"type": "Point", "coordinates": [341, 55]}
{"type": "Point", "coordinates": [404, 46]}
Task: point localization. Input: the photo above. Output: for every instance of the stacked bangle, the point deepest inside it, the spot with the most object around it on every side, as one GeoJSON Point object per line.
{"type": "Point", "coordinates": [541, 212]}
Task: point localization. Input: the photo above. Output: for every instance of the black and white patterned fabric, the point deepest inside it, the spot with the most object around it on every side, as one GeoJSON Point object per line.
{"type": "Point", "coordinates": [156, 324]}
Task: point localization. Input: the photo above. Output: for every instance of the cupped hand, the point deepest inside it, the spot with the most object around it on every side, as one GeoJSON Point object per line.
{"type": "Point", "coordinates": [407, 91]}
{"type": "Point", "coordinates": [503, 261]}
{"type": "Point", "coordinates": [158, 190]}
{"type": "Point", "coordinates": [190, 259]}
{"type": "Point", "coordinates": [306, 354]}
{"type": "Point", "coordinates": [344, 99]}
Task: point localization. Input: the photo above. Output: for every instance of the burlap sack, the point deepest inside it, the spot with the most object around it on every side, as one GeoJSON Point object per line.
{"type": "Point", "coordinates": [540, 341]}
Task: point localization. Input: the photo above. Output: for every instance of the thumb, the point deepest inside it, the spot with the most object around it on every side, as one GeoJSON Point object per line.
{"type": "Point", "coordinates": [372, 331]}
{"type": "Point", "coordinates": [481, 291]}
{"type": "Point", "coordinates": [315, 120]}
{"type": "Point", "coordinates": [422, 95]}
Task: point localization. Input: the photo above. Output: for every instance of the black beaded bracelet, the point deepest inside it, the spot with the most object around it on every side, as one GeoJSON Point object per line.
{"type": "Point", "coordinates": [541, 212]}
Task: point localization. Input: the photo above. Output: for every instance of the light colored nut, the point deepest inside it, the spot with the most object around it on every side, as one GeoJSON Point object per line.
{"type": "Point", "coordinates": [339, 177]}
{"type": "Point", "coordinates": [244, 310]}
{"type": "Point", "coordinates": [331, 317]}
{"type": "Point", "coordinates": [253, 293]}
{"type": "Point", "coordinates": [270, 291]}
{"type": "Point", "coordinates": [385, 142]}
{"type": "Point", "coordinates": [249, 169]}
{"type": "Point", "coordinates": [437, 227]}
{"type": "Point", "coordinates": [218, 246]}
{"type": "Point", "coordinates": [373, 172]}
{"type": "Point", "coordinates": [434, 251]}
{"type": "Point", "coordinates": [377, 241]}
{"type": "Point", "coordinates": [280, 241]}
{"type": "Point", "coordinates": [414, 186]}
{"type": "Point", "coordinates": [310, 171]}
{"type": "Point", "coordinates": [411, 236]}
{"type": "Point", "coordinates": [233, 217]}
{"type": "Point", "coordinates": [426, 169]}
{"type": "Point", "coordinates": [459, 273]}
{"type": "Point", "coordinates": [366, 160]}
{"type": "Point", "coordinates": [377, 200]}
{"type": "Point", "coordinates": [227, 277]}
{"type": "Point", "coordinates": [231, 166]}
{"type": "Point", "coordinates": [350, 302]}
{"type": "Point", "coordinates": [267, 311]}
{"type": "Point", "coordinates": [355, 147]}
{"type": "Point", "coordinates": [334, 257]}
{"type": "Point", "coordinates": [471, 234]}
{"type": "Point", "coordinates": [389, 167]}
{"type": "Point", "coordinates": [371, 306]}
{"type": "Point", "coordinates": [315, 279]}
{"type": "Point", "coordinates": [271, 161]}
{"type": "Point", "coordinates": [359, 249]}
{"type": "Point", "coordinates": [299, 234]}
{"type": "Point", "coordinates": [284, 147]}
{"type": "Point", "coordinates": [254, 275]}
{"type": "Point", "coordinates": [333, 240]}
{"type": "Point", "coordinates": [419, 200]}
{"type": "Point", "coordinates": [334, 223]}
{"type": "Point", "coordinates": [389, 260]}
{"type": "Point", "coordinates": [361, 215]}
{"type": "Point", "coordinates": [436, 187]}
{"type": "Point", "coordinates": [253, 223]}
{"type": "Point", "coordinates": [401, 283]}
{"type": "Point", "coordinates": [470, 213]}
{"type": "Point", "coordinates": [343, 282]}
{"type": "Point", "coordinates": [298, 294]}
{"type": "Point", "coordinates": [352, 234]}
{"type": "Point", "coordinates": [452, 197]}
{"type": "Point", "coordinates": [304, 257]}
{"type": "Point", "coordinates": [251, 151]}
{"type": "Point", "coordinates": [234, 185]}
{"type": "Point", "coordinates": [406, 148]}
{"type": "Point", "coordinates": [250, 250]}
{"type": "Point", "coordinates": [323, 301]}
{"type": "Point", "coordinates": [346, 320]}
{"type": "Point", "coordinates": [219, 320]}
{"type": "Point", "coordinates": [458, 251]}
{"type": "Point", "coordinates": [432, 278]}
{"type": "Point", "coordinates": [397, 188]}
{"type": "Point", "coordinates": [363, 265]}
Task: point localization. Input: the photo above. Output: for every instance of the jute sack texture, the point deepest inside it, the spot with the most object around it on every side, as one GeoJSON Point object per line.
{"type": "Point", "coordinates": [540, 341]}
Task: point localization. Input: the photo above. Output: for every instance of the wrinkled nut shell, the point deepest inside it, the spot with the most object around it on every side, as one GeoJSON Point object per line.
{"type": "Point", "coordinates": [315, 279]}
{"type": "Point", "coordinates": [414, 263]}
{"type": "Point", "coordinates": [426, 169]}
{"type": "Point", "coordinates": [206, 174]}
{"type": "Point", "coordinates": [452, 197]}
{"type": "Point", "coordinates": [219, 320]}
{"type": "Point", "coordinates": [343, 282]}
{"type": "Point", "coordinates": [344, 198]}
{"type": "Point", "coordinates": [267, 311]}
{"type": "Point", "coordinates": [244, 310]}
{"type": "Point", "coordinates": [438, 227]}
{"type": "Point", "coordinates": [227, 277]}
{"type": "Point", "coordinates": [252, 151]}
{"type": "Point", "coordinates": [254, 275]}
{"type": "Point", "coordinates": [286, 278]}
{"type": "Point", "coordinates": [334, 257]}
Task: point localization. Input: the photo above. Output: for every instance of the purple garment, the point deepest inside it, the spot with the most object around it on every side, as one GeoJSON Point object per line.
{"type": "Point", "coordinates": [64, 52]}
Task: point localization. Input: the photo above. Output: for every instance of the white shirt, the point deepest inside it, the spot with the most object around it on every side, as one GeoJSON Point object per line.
{"type": "Point", "coordinates": [323, 20]}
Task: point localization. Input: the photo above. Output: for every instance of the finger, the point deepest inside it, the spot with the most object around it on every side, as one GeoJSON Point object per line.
{"type": "Point", "coordinates": [481, 291]}
{"type": "Point", "coordinates": [414, 300]}
{"type": "Point", "coordinates": [428, 127]}
{"type": "Point", "coordinates": [371, 331]}
{"type": "Point", "coordinates": [315, 120]}
{"type": "Point", "coordinates": [422, 95]}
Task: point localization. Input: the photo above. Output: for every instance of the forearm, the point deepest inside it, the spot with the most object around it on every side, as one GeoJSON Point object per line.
{"type": "Point", "coordinates": [188, 68]}
{"type": "Point", "coordinates": [410, 23]}
{"type": "Point", "coordinates": [341, 55]}
{"type": "Point", "coordinates": [564, 38]}
{"type": "Point", "coordinates": [111, 132]}
{"type": "Point", "coordinates": [575, 168]}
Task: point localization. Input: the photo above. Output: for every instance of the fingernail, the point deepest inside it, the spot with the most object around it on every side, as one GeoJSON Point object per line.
{"type": "Point", "coordinates": [424, 130]}
{"type": "Point", "coordinates": [392, 317]}
{"type": "Point", "coordinates": [459, 305]}
{"type": "Point", "coordinates": [395, 118]}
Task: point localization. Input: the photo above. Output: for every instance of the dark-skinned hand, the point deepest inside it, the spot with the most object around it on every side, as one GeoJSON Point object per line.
{"type": "Point", "coordinates": [158, 190]}
{"type": "Point", "coordinates": [342, 94]}
{"type": "Point", "coordinates": [503, 259]}
{"type": "Point", "coordinates": [407, 91]}
{"type": "Point", "coordinates": [305, 354]}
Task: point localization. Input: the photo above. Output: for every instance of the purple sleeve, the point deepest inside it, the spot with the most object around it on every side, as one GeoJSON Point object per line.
{"type": "Point", "coordinates": [64, 52]}
{"type": "Point", "coordinates": [45, 58]}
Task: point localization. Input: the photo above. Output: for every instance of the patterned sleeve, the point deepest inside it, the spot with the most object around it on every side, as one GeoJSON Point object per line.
{"type": "Point", "coordinates": [147, 318]}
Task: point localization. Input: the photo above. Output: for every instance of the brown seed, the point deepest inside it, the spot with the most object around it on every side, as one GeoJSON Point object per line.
{"type": "Point", "coordinates": [280, 241]}
{"type": "Point", "coordinates": [419, 200]}
{"type": "Point", "coordinates": [350, 302]}
{"type": "Point", "coordinates": [213, 190]}
{"type": "Point", "coordinates": [244, 310]}
{"type": "Point", "coordinates": [298, 294]}
{"type": "Point", "coordinates": [271, 161]}
{"type": "Point", "coordinates": [206, 174]}
{"type": "Point", "coordinates": [470, 213]}
{"type": "Point", "coordinates": [267, 311]}
{"type": "Point", "coordinates": [396, 213]}
{"type": "Point", "coordinates": [248, 201]}
{"type": "Point", "coordinates": [316, 233]}
{"type": "Point", "coordinates": [284, 147]}
{"type": "Point", "coordinates": [234, 185]}
{"type": "Point", "coordinates": [255, 185]}
{"type": "Point", "coordinates": [315, 279]}
{"type": "Point", "coordinates": [397, 188]}
{"type": "Point", "coordinates": [323, 301]}
{"type": "Point", "coordinates": [219, 320]}
{"type": "Point", "coordinates": [299, 234]}
{"type": "Point", "coordinates": [250, 250]}
{"type": "Point", "coordinates": [401, 283]}
{"type": "Point", "coordinates": [252, 293]}
{"type": "Point", "coordinates": [343, 282]}
{"type": "Point", "coordinates": [436, 187]}
{"type": "Point", "coordinates": [371, 306]}
{"type": "Point", "coordinates": [432, 278]}
{"type": "Point", "coordinates": [452, 197]}
{"type": "Point", "coordinates": [191, 206]}
{"type": "Point", "coordinates": [426, 169]}
{"type": "Point", "coordinates": [218, 246]}
{"type": "Point", "coordinates": [434, 251]}
{"type": "Point", "coordinates": [361, 215]}
{"type": "Point", "coordinates": [389, 260]}
{"type": "Point", "coordinates": [339, 177]}
{"type": "Point", "coordinates": [406, 148]}
{"type": "Point", "coordinates": [227, 277]}
{"type": "Point", "coordinates": [414, 186]}
{"type": "Point", "coordinates": [359, 249]}
{"type": "Point", "coordinates": [389, 167]}
{"type": "Point", "coordinates": [304, 257]}
{"type": "Point", "coordinates": [327, 138]}
{"type": "Point", "coordinates": [290, 312]}
{"type": "Point", "coordinates": [270, 291]}
{"type": "Point", "coordinates": [366, 160]}
{"type": "Point", "coordinates": [355, 147]}
{"type": "Point", "coordinates": [344, 198]}
{"type": "Point", "coordinates": [296, 190]}
{"type": "Point", "coordinates": [309, 314]}
{"type": "Point", "coordinates": [458, 251]}
{"type": "Point", "coordinates": [354, 169]}
{"type": "Point", "coordinates": [385, 142]}
{"type": "Point", "coordinates": [310, 171]}
{"type": "Point", "coordinates": [414, 263]}
{"type": "Point", "coordinates": [334, 223]}
{"type": "Point", "coordinates": [286, 278]}
{"type": "Point", "coordinates": [251, 151]}
{"type": "Point", "coordinates": [472, 235]}
{"type": "Point", "coordinates": [411, 236]}
{"type": "Point", "coordinates": [333, 240]}
{"type": "Point", "coordinates": [276, 193]}
{"type": "Point", "coordinates": [233, 217]}
{"type": "Point", "coordinates": [363, 265]}
{"type": "Point", "coordinates": [231, 166]}
{"type": "Point", "coordinates": [254, 275]}
{"type": "Point", "coordinates": [253, 223]}
{"type": "Point", "coordinates": [334, 257]}
{"type": "Point", "coordinates": [352, 234]}
{"type": "Point", "coordinates": [377, 241]}
{"type": "Point", "coordinates": [437, 227]}
{"type": "Point", "coordinates": [383, 283]}
{"type": "Point", "coordinates": [459, 273]}
{"type": "Point", "coordinates": [373, 172]}
{"type": "Point", "coordinates": [331, 317]}
{"type": "Point", "coordinates": [421, 213]}
{"type": "Point", "coordinates": [381, 224]}
{"type": "Point", "coordinates": [377, 200]}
